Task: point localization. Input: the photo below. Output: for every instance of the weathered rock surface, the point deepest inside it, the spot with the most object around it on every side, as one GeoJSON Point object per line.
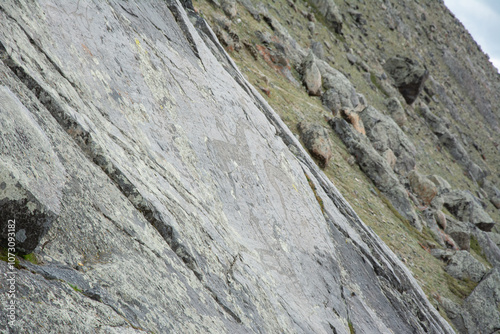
{"type": "Point", "coordinates": [385, 134]}
{"type": "Point", "coordinates": [180, 207]}
{"type": "Point", "coordinates": [462, 265]}
{"type": "Point", "coordinates": [422, 187]}
{"type": "Point", "coordinates": [488, 247]}
{"type": "Point", "coordinates": [481, 307]}
{"type": "Point", "coordinates": [396, 111]}
{"type": "Point", "coordinates": [459, 231]}
{"type": "Point", "coordinates": [31, 177]}
{"type": "Point", "coordinates": [311, 75]}
{"type": "Point", "coordinates": [466, 208]}
{"type": "Point", "coordinates": [316, 140]}
{"type": "Point", "coordinates": [341, 86]}
{"type": "Point", "coordinates": [452, 144]}
{"type": "Point", "coordinates": [330, 11]}
{"type": "Point", "coordinates": [409, 77]}
{"type": "Point", "coordinates": [454, 312]}
{"type": "Point", "coordinates": [376, 168]}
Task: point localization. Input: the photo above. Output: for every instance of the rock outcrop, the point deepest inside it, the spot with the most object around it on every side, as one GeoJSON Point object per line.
{"type": "Point", "coordinates": [173, 201]}
{"type": "Point", "coordinates": [409, 77]}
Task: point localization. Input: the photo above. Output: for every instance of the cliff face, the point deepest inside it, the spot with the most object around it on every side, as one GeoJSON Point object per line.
{"type": "Point", "coordinates": [155, 190]}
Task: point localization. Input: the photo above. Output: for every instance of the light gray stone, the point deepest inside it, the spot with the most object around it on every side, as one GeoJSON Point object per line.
{"type": "Point", "coordinates": [182, 208]}
{"type": "Point", "coordinates": [481, 307]}
{"type": "Point", "coordinates": [466, 208]}
{"type": "Point", "coordinates": [384, 133]}
{"type": "Point", "coordinates": [377, 169]}
{"type": "Point", "coordinates": [311, 75]}
{"type": "Point", "coordinates": [463, 265]}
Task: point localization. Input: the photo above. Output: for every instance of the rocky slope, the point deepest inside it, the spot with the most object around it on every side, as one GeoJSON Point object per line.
{"type": "Point", "coordinates": [398, 105]}
{"type": "Point", "coordinates": [155, 190]}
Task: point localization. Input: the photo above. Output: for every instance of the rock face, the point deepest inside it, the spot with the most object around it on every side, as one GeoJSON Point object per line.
{"type": "Point", "coordinates": [385, 134]}
{"type": "Point", "coordinates": [463, 265]}
{"type": "Point", "coordinates": [330, 11]}
{"type": "Point", "coordinates": [483, 315]}
{"type": "Point", "coordinates": [315, 138]}
{"type": "Point", "coordinates": [409, 77]}
{"type": "Point", "coordinates": [29, 201]}
{"type": "Point", "coordinates": [166, 191]}
{"type": "Point", "coordinates": [466, 208]}
{"type": "Point", "coordinates": [312, 76]}
{"type": "Point", "coordinates": [377, 169]}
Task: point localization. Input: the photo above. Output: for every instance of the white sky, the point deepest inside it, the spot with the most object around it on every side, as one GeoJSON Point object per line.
{"type": "Point", "coordinates": [482, 19]}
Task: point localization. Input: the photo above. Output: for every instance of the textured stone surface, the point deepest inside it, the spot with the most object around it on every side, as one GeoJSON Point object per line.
{"type": "Point", "coordinates": [336, 81]}
{"type": "Point", "coordinates": [409, 77]}
{"type": "Point", "coordinates": [482, 314]}
{"type": "Point", "coordinates": [180, 205]}
{"type": "Point", "coordinates": [311, 75]}
{"type": "Point", "coordinates": [396, 111]}
{"type": "Point", "coordinates": [315, 138]}
{"type": "Point", "coordinates": [459, 231]}
{"type": "Point", "coordinates": [463, 265]}
{"type": "Point", "coordinates": [466, 208]}
{"type": "Point", "coordinates": [330, 11]}
{"type": "Point", "coordinates": [384, 133]}
{"type": "Point", "coordinates": [31, 176]}
{"type": "Point", "coordinates": [422, 187]}
{"type": "Point", "coordinates": [376, 168]}
{"type": "Point", "coordinates": [452, 144]}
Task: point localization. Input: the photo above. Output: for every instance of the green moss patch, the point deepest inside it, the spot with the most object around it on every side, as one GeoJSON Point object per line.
{"type": "Point", "coordinates": [460, 288]}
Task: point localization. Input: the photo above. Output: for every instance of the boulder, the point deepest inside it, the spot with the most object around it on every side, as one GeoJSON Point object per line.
{"type": "Point", "coordinates": [428, 216]}
{"type": "Point", "coordinates": [462, 265]}
{"type": "Point", "coordinates": [317, 142]}
{"type": "Point", "coordinates": [459, 231]}
{"type": "Point", "coordinates": [353, 118]}
{"type": "Point", "coordinates": [335, 80]}
{"type": "Point", "coordinates": [495, 201]}
{"type": "Point", "coordinates": [488, 247]}
{"type": "Point", "coordinates": [330, 11]}
{"type": "Point", "coordinates": [376, 168]}
{"type": "Point", "coordinates": [409, 77]}
{"type": "Point", "coordinates": [422, 187]}
{"type": "Point", "coordinates": [385, 134]}
{"type": "Point", "coordinates": [495, 237]}
{"type": "Point", "coordinates": [229, 8]}
{"type": "Point", "coordinates": [466, 208]}
{"type": "Point", "coordinates": [311, 75]}
{"type": "Point", "coordinates": [396, 111]}
{"type": "Point", "coordinates": [454, 313]}
{"type": "Point", "coordinates": [492, 191]}
{"type": "Point", "coordinates": [317, 49]}
{"type": "Point", "coordinates": [482, 314]}
{"type": "Point", "coordinates": [331, 100]}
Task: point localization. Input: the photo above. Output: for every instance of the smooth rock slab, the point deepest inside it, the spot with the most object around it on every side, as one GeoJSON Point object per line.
{"type": "Point", "coordinates": [30, 177]}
